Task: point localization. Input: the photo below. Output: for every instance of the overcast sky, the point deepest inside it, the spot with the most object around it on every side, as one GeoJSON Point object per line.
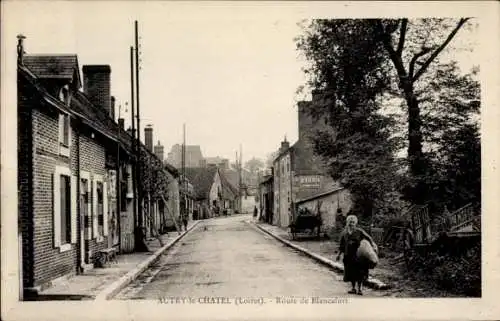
{"type": "Point", "coordinates": [230, 74]}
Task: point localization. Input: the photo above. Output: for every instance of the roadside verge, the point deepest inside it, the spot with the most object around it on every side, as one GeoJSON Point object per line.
{"type": "Point", "coordinates": [109, 292]}
{"type": "Point", "coordinates": [337, 267]}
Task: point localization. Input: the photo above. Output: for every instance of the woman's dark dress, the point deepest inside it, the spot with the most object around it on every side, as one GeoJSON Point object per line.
{"type": "Point", "coordinates": [349, 243]}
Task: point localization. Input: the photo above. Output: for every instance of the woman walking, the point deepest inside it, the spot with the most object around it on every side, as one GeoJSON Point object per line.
{"type": "Point", "coordinates": [355, 271]}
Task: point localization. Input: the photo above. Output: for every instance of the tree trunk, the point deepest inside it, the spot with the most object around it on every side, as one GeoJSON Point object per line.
{"type": "Point", "coordinates": [415, 154]}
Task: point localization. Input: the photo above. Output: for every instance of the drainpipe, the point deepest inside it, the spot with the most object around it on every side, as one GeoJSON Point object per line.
{"type": "Point", "coordinates": [78, 205]}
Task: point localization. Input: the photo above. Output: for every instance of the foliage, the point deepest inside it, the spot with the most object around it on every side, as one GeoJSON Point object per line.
{"type": "Point", "coordinates": [459, 274]}
{"type": "Point", "coordinates": [412, 46]}
{"type": "Point", "coordinates": [254, 165]}
{"type": "Point", "coordinates": [154, 179]}
{"type": "Point", "coordinates": [362, 65]}
{"type": "Point", "coordinates": [359, 148]}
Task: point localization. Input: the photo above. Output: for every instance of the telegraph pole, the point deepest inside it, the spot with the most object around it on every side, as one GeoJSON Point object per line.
{"type": "Point", "coordinates": [240, 175]}
{"type": "Point", "coordinates": [137, 67]}
{"type": "Point", "coordinates": [132, 115]}
{"type": "Point", "coordinates": [184, 183]}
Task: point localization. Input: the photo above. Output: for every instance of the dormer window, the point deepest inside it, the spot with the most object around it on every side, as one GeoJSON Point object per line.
{"type": "Point", "coordinates": [64, 94]}
{"type": "Point", "coordinates": [64, 134]}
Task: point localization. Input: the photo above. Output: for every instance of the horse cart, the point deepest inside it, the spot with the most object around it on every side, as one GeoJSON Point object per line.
{"type": "Point", "coordinates": [306, 222]}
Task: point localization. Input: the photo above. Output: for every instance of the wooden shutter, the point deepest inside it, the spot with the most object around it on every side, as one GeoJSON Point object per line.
{"type": "Point", "coordinates": [74, 214]}
{"type": "Point", "coordinates": [105, 208]}
{"type": "Point", "coordinates": [56, 180]}
{"type": "Point", "coordinates": [94, 209]}
{"type": "Point", "coordinates": [61, 128]}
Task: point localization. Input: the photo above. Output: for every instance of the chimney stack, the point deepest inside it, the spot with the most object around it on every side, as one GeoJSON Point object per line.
{"type": "Point", "coordinates": [159, 151]}
{"type": "Point", "coordinates": [97, 86]}
{"type": "Point", "coordinates": [148, 137]}
{"type": "Point", "coordinates": [284, 146]}
{"type": "Point", "coordinates": [112, 110]}
{"type": "Point", "coordinates": [20, 48]}
{"type": "Point", "coordinates": [121, 123]}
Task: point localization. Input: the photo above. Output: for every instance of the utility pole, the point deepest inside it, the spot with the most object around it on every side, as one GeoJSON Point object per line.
{"type": "Point", "coordinates": [132, 119]}
{"type": "Point", "coordinates": [241, 183]}
{"type": "Point", "coordinates": [137, 67]}
{"type": "Point", "coordinates": [184, 182]}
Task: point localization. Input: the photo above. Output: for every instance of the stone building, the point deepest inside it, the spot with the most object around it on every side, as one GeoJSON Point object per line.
{"type": "Point", "coordinates": [298, 173]}
{"type": "Point", "coordinates": [194, 156]}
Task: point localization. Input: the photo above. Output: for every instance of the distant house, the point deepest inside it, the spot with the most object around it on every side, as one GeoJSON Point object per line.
{"type": "Point", "coordinates": [220, 162]}
{"type": "Point", "coordinates": [213, 194]}
{"type": "Point", "coordinates": [194, 157]}
{"type": "Point", "coordinates": [266, 196]}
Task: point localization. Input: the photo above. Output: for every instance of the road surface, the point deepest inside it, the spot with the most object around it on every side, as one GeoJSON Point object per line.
{"type": "Point", "coordinates": [228, 257]}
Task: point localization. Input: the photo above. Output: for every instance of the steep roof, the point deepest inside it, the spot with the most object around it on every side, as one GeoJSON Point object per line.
{"type": "Point", "coordinates": [201, 179]}
{"type": "Point", "coordinates": [54, 66]}
{"type": "Point", "coordinates": [228, 189]}
{"type": "Point", "coordinates": [80, 105]}
{"type": "Point", "coordinates": [231, 176]}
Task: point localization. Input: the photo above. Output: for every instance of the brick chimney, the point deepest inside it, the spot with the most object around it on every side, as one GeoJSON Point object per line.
{"type": "Point", "coordinates": [148, 137]}
{"type": "Point", "coordinates": [284, 145]}
{"type": "Point", "coordinates": [121, 123]}
{"type": "Point", "coordinates": [112, 109]}
{"type": "Point", "coordinates": [97, 85]}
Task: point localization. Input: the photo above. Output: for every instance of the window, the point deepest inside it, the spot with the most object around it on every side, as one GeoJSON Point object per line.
{"type": "Point", "coordinates": [100, 210]}
{"type": "Point", "coordinates": [64, 134]}
{"type": "Point", "coordinates": [64, 208]}
{"type": "Point", "coordinates": [123, 198]}
{"type": "Point", "coordinates": [65, 212]}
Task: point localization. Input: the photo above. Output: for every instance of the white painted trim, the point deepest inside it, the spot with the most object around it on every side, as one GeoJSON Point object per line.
{"type": "Point", "coordinates": [64, 248]}
{"type": "Point", "coordinates": [97, 178]}
{"type": "Point", "coordinates": [56, 192]}
{"type": "Point", "coordinates": [74, 214]}
{"type": "Point", "coordinates": [105, 208]}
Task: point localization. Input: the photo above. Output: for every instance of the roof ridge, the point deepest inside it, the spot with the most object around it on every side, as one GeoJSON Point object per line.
{"type": "Point", "coordinates": [51, 55]}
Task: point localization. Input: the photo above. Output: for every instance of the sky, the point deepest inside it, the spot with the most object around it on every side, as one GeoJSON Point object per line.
{"type": "Point", "coordinates": [229, 73]}
{"type": "Point", "coordinates": [230, 79]}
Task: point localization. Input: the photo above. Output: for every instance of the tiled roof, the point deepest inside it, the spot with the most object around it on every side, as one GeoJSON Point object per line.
{"type": "Point", "coordinates": [201, 179]}
{"type": "Point", "coordinates": [80, 105]}
{"type": "Point", "coordinates": [231, 175]}
{"type": "Point", "coordinates": [229, 190]}
{"type": "Point", "coordinates": [100, 119]}
{"type": "Point", "coordinates": [53, 66]}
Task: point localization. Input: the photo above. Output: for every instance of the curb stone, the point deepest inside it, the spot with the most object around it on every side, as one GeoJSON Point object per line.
{"type": "Point", "coordinates": [337, 267]}
{"type": "Point", "coordinates": [109, 292]}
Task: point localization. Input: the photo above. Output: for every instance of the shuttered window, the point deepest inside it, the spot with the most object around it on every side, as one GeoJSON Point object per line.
{"type": "Point", "coordinates": [64, 208]}
{"type": "Point", "coordinates": [65, 213]}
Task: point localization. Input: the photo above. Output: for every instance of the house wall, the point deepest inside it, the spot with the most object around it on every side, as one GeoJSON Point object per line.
{"type": "Point", "coordinates": [92, 160]}
{"type": "Point", "coordinates": [49, 262]}
{"type": "Point", "coordinates": [25, 185]}
{"type": "Point", "coordinates": [328, 206]}
{"type": "Point", "coordinates": [283, 190]}
{"type": "Point", "coordinates": [215, 189]}
{"type": "Point", "coordinates": [173, 205]}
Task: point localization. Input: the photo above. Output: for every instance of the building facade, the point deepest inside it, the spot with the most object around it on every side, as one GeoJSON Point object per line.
{"type": "Point", "coordinates": [194, 156]}
{"type": "Point", "coordinates": [298, 173]}
{"type": "Point", "coordinates": [68, 185]}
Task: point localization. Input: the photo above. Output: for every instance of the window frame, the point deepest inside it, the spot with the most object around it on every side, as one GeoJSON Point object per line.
{"type": "Point", "coordinates": [56, 209]}
{"type": "Point", "coordinates": [64, 138]}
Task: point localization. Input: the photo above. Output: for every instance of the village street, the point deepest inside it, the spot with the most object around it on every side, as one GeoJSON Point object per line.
{"type": "Point", "coordinates": [227, 257]}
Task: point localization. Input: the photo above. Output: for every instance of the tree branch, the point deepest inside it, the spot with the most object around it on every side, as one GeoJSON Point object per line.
{"type": "Point", "coordinates": [414, 60]}
{"type": "Point", "coordinates": [386, 39]}
{"type": "Point", "coordinates": [404, 24]}
{"type": "Point", "coordinates": [440, 48]}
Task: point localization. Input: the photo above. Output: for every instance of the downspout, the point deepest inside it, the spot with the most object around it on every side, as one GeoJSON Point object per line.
{"type": "Point", "coordinates": [78, 165]}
